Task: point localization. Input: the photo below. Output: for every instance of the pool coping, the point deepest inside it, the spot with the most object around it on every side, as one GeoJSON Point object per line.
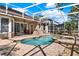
{"type": "Point", "coordinates": [27, 37]}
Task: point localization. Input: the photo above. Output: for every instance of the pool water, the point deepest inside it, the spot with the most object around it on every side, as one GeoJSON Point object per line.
{"type": "Point", "coordinates": [38, 40]}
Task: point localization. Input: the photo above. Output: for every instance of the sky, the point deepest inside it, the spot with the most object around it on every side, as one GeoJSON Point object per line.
{"type": "Point", "coordinates": [48, 9]}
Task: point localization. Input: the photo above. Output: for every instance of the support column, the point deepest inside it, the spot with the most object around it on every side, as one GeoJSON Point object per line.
{"type": "Point", "coordinates": [46, 28]}
{"type": "Point", "coordinates": [20, 28]}
{"type": "Point", "coordinates": [78, 27]}
{"type": "Point", "coordinates": [10, 29]}
{"type": "Point", "coordinates": [13, 27]}
{"type": "Point", "coordinates": [41, 27]}
{"type": "Point", "coordinates": [6, 8]}
{"type": "Point", "coordinates": [53, 27]}
{"type": "Point", "coordinates": [23, 14]}
{"type": "Point", "coordinates": [0, 24]}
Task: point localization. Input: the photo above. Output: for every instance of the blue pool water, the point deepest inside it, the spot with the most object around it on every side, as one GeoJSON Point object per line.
{"type": "Point", "coordinates": [38, 41]}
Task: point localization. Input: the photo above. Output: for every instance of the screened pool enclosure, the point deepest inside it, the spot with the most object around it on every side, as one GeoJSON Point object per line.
{"type": "Point", "coordinates": [25, 18]}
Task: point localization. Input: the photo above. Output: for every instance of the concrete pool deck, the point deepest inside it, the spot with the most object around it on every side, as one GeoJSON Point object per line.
{"type": "Point", "coordinates": [20, 49]}
{"type": "Point", "coordinates": [51, 50]}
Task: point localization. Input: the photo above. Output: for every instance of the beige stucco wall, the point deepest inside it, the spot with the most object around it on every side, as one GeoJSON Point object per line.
{"type": "Point", "coordinates": [9, 34]}
{"type": "Point", "coordinates": [20, 20]}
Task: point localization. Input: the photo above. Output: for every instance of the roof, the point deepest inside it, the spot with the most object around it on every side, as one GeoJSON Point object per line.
{"type": "Point", "coordinates": [13, 12]}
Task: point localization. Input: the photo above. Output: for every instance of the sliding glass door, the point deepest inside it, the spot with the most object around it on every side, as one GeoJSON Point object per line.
{"type": "Point", "coordinates": [20, 29]}
{"type": "Point", "coordinates": [17, 28]}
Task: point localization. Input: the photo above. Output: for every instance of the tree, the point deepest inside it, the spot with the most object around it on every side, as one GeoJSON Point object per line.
{"type": "Point", "coordinates": [68, 27]}
{"type": "Point", "coordinates": [74, 17]}
{"type": "Point", "coordinates": [71, 25]}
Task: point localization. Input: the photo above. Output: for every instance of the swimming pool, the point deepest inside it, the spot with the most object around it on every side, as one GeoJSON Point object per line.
{"type": "Point", "coordinates": [38, 40]}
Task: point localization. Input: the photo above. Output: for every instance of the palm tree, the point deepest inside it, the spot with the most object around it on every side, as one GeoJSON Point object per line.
{"type": "Point", "coordinates": [71, 26]}
{"type": "Point", "coordinates": [74, 16]}
{"type": "Point", "coordinates": [68, 27]}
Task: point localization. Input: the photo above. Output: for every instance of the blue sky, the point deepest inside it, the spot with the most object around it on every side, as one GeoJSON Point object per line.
{"type": "Point", "coordinates": [43, 6]}
{"type": "Point", "coordinates": [34, 9]}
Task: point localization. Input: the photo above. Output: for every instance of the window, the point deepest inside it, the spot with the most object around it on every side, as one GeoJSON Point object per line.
{"type": "Point", "coordinates": [4, 24]}
{"type": "Point", "coordinates": [26, 26]}
{"type": "Point", "coordinates": [17, 27]}
{"type": "Point", "coordinates": [31, 27]}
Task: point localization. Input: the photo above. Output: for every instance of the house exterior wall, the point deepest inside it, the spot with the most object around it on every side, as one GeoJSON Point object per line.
{"type": "Point", "coordinates": [5, 33]}
{"type": "Point", "coordinates": [29, 24]}
{"type": "Point", "coordinates": [48, 26]}
{"type": "Point", "coordinates": [11, 31]}
{"type": "Point", "coordinates": [78, 27]}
